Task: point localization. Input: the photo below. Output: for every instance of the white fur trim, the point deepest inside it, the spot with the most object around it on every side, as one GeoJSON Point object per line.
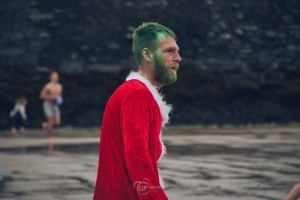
{"type": "Point", "coordinates": [162, 156]}
{"type": "Point", "coordinates": [164, 108]}
{"type": "Point", "coordinates": [161, 181]}
{"type": "Point", "coordinates": [164, 148]}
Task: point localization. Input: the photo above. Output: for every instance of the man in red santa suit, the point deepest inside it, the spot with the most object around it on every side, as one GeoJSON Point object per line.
{"type": "Point", "coordinates": [130, 144]}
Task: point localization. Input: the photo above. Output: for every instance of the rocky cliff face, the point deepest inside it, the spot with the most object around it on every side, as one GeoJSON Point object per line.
{"type": "Point", "coordinates": [239, 64]}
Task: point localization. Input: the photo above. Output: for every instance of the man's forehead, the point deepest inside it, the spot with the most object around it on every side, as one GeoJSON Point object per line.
{"type": "Point", "coordinates": [161, 36]}
{"type": "Point", "coordinates": [166, 40]}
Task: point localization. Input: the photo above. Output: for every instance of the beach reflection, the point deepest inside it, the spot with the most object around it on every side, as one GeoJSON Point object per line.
{"type": "Point", "coordinates": [202, 163]}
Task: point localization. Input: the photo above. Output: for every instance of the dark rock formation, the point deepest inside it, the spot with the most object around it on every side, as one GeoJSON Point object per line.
{"type": "Point", "coordinates": [240, 58]}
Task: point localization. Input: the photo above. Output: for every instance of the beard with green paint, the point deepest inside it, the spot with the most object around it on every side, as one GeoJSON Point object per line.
{"type": "Point", "coordinates": [163, 74]}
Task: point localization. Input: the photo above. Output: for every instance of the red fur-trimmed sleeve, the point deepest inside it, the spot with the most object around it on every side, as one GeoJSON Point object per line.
{"type": "Point", "coordinates": [136, 118]}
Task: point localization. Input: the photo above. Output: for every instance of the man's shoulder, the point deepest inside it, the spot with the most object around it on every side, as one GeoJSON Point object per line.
{"type": "Point", "coordinates": [53, 85]}
{"type": "Point", "coordinates": [133, 85]}
{"type": "Point", "coordinates": [48, 84]}
{"type": "Point", "coordinates": [130, 92]}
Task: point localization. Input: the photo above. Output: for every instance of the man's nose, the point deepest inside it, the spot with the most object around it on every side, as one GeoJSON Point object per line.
{"type": "Point", "coordinates": [177, 57]}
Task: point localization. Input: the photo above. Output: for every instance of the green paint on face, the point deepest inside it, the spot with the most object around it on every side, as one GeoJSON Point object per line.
{"type": "Point", "coordinates": [162, 74]}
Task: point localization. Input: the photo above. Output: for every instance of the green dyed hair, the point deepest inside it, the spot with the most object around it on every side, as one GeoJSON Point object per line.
{"type": "Point", "coordinates": [146, 36]}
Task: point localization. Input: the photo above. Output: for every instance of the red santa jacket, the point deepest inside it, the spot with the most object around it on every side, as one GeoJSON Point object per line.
{"type": "Point", "coordinates": [130, 144]}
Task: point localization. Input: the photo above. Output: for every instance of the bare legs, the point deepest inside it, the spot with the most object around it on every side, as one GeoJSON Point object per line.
{"type": "Point", "coordinates": [14, 131]}
{"type": "Point", "coordinates": [47, 126]}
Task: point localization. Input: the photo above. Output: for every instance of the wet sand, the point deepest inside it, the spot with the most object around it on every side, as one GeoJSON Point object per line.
{"type": "Point", "coordinates": [208, 163]}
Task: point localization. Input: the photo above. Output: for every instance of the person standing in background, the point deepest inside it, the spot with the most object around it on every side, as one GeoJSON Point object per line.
{"type": "Point", "coordinates": [52, 96]}
{"type": "Point", "coordinates": [19, 116]}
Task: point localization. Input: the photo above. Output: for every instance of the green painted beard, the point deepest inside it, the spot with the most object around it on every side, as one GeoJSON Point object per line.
{"type": "Point", "coordinates": [162, 74]}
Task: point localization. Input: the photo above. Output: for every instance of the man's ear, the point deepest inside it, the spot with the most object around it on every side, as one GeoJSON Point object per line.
{"type": "Point", "coordinates": [147, 55]}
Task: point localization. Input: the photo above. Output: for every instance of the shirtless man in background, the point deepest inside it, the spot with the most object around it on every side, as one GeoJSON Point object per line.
{"type": "Point", "coordinates": [52, 96]}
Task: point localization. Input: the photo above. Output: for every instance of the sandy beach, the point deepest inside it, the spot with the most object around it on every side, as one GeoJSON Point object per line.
{"type": "Point", "coordinates": [211, 163]}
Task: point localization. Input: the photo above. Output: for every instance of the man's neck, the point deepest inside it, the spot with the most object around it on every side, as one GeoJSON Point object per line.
{"type": "Point", "coordinates": [53, 82]}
